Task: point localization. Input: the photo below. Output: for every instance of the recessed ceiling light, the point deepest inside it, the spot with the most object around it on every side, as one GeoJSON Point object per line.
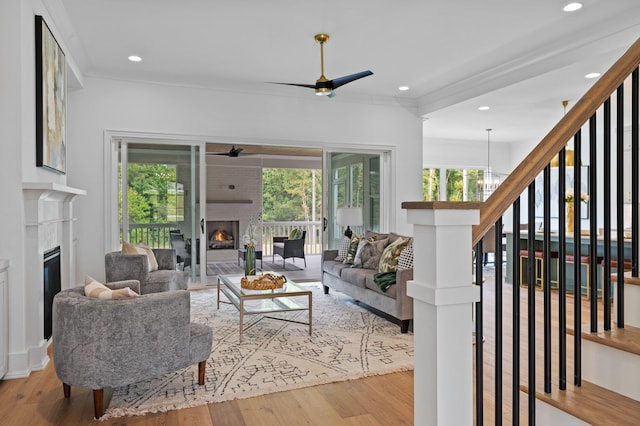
{"type": "Point", "coordinates": [484, 108]}
{"type": "Point", "coordinates": [572, 7]}
{"type": "Point", "coordinates": [403, 88]}
{"type": "Point", "coordinates": [592, 75]}
{"type": "Point", "coordinates": [135, 58]}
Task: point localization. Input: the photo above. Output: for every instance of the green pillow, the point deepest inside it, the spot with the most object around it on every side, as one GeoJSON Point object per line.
{"type": "Point", "coordinates": [292, 234]}
{"type": "Point", "coordinates": [298, 234]}
{"type": "Point", "coordinates": [389, 258]}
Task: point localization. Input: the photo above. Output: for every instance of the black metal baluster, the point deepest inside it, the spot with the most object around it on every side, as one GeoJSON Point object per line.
{"type": "Point", "coordinates": [634, 176]}
{"type": "Point", "coordinates": [562, 271]}
{"type": "Point", "coordinates": [546, 310]}
{"type": "Point", "coordinates": [620, 199]}
{"type": "Point", "coordinates": [531, 302]}
{"type": "Point", "coordinates": [515, 387]}
{"type": "Point", "coordinates": [478, 340]}
{"type": "Point", "coordinates": [606, 282]}
{"type": "Point", "coordinates": [498, 311]}
{"type": "Point", "coordinates": [577, 276]}
{"type": "Point", "coordinates": [593, 223]}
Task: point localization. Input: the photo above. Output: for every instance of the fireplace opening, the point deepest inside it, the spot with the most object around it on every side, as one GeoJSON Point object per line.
{"type": "Point", "coordinates": [223, 234]}
{"type": "Point", "coordinates": [52, 286]}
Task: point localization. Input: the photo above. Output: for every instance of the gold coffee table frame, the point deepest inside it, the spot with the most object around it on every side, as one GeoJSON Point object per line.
{"type": "Point", "coordinates": [260, 302]}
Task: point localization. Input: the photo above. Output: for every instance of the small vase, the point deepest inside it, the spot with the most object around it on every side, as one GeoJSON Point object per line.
{"type": "Point", "coordinates": [570, 217]}
{"type": "Point", "coordinates": [250, 260]}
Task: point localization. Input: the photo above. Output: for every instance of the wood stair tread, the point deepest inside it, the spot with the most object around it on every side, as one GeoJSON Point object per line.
{"type": "Point", "coordinates": [628, 279]}
{"type": "Point", "coordinates": [625, 339]}
{"type": "Point", "coordinates": [593, 404]}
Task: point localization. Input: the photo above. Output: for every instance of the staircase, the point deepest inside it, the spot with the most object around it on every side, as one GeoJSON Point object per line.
{"type": "Point", "coordinates": [578, 358]}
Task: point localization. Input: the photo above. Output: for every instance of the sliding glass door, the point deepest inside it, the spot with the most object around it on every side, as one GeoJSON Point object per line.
{"type": "Point", "coordinates": [353, 181]}
{"type": "Point", "coordinates": [158, 189]}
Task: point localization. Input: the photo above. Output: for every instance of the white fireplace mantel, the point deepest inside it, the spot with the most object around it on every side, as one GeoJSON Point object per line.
{"type": "Point", "coordinates": [48, 223]}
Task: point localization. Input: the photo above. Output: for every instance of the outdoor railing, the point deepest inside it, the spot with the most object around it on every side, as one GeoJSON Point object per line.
{"type": "Point", "coordinates": [313, 240]}
{"type": "Point", "coordinates": [156, 235]}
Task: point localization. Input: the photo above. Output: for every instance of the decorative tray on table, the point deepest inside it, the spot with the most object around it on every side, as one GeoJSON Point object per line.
{"type": "Point", "coordinates": [265, 281]}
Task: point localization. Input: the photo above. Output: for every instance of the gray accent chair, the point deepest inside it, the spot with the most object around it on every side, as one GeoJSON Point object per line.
{"type": "Point", "coordinates": [109, 343]}
{"type": "Point", "coordinates": [286, 248]}
{"type": "Point", "coordinates": [119, 267]}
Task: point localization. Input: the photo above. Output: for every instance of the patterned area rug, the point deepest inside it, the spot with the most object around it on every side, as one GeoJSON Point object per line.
{"type": "Point", "coordinates": [348, 342]}
{"type": "Point", "coordinates": [227, 268]}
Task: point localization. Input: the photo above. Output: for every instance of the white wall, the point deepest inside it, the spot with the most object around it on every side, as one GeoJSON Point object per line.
{"type": "Point", "coordinates": [304, 121]}
{"type": "Point", "coordinates": [466, 154]}
{"type": "Point", "coordinates": [17, 165]}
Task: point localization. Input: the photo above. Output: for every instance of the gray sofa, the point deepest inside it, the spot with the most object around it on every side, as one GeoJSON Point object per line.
{"type": "Point", "coordinates": [108, 343]}
{"type": "Point", "coordinates": [119, 267]}
{"type": "Point", "coordinates": [358, 283]}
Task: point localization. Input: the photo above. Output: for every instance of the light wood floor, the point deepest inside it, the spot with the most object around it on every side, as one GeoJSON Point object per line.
{"type": "Point", "coordinates": [379, 400]}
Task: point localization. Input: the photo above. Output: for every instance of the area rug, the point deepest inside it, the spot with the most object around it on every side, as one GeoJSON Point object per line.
{"type": "Point", "coordinates": [228, 268]}
{"type": "Point", "coordinates": [348, 342]}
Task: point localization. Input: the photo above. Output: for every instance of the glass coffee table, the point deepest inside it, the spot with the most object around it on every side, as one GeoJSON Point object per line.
{"type": "Point", "coordinates": [252, 302]}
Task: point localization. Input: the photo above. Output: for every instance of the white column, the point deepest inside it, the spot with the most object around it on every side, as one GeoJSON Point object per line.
{"type": "Point", "coordinates": [443, 296]}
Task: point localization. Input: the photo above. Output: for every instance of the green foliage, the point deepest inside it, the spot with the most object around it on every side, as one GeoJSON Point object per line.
{"type": "Point", "coordinates": [139, 208]}
{"type": "Point", "coordinates": [455, 184]}
{"type": "Point", "coordinates": [148, 192]}
{"type": "Point", "coordinates": [288, 194]}
{"type": "Point", "coordinates": [431, 184]}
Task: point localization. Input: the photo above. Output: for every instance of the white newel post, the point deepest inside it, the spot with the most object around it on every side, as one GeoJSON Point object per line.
{"type": "Point", "coordinates": [443, 295]}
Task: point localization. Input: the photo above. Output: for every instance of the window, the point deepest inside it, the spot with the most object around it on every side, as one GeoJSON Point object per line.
{"type": "Point", "coordinates": [459, 184]}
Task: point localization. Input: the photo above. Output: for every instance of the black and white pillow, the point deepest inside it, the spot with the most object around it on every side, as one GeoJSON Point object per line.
{"type": "Point", "coordinates": [342, 251]}
{"type": "Point", "coordinates": [405, 261]}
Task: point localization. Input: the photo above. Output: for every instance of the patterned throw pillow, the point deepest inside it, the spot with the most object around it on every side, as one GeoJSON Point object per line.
{"type": "Point", "coordinates": [93, 288]}
{"type": "Point", "coordinates": [342, 251]}
{"type": "Point", "coordinates": [357, 259]}
{"type": "Point", "coordinates": [391, 254]}
{"type": "Point", "coordinates": [292, 234]}
{"type": "Point", "coordinates": [369, 254]}
{"type": "Point", "coordinates": [351, 251]}
{"type": "Point", "coordinates": [405, 261]}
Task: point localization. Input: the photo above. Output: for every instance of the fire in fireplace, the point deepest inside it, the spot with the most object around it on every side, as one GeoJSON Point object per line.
{"type": "Point", "coordinates": [52, 286]}
{"type": "Point", "coordinates": [223, 234]}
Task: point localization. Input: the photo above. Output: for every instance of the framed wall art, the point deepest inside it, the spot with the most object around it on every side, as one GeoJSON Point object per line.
{"type": "Point", "coordinates": [584, 187]}
{"type": "Point", "coordinates": [51, 94]}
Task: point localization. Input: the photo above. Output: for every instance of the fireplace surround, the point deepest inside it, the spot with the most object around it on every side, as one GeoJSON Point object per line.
{"type": "Point", "coordinates": [48, 223]}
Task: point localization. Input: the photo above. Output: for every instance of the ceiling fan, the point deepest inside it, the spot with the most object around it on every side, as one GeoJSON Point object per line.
{"type": "Point", "coordinates": [324, 86]}
{"type": "Point", "coordinates": [233, 152]}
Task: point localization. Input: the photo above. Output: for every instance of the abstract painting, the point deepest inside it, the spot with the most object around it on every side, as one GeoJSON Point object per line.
{"type": "Point", "coordinates": [51, 92]}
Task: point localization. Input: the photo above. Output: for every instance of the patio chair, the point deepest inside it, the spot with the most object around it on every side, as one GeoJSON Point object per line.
{"type": "Point", "coordinates": [286, 248]}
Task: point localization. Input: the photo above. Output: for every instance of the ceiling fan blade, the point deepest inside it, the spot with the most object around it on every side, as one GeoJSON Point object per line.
{"type": "Point", "coordinates": [310, 86]}
{"type": "Point", "coordinates": [341, 81]}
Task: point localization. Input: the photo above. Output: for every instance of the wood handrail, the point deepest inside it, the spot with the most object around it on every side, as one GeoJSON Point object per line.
{"type": "Point", "coordinates": [526, 172]}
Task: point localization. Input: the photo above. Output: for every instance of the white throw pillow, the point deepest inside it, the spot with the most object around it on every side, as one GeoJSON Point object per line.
{"type": "Point", "coordinates": [152, 263]}
{"type": "Point", "coordinates": [405, 261]}
{"type": "Point", "coordinates": [93, 288]}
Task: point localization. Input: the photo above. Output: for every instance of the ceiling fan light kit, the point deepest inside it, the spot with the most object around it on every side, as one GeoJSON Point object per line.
{"type": "Point", "coordinates": [324, 86]}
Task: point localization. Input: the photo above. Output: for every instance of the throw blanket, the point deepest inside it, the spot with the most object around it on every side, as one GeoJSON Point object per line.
{"type": "Point", "coordinates": [384, 280]}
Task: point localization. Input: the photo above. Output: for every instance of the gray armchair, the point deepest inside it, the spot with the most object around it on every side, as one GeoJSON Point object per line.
{"type": "Point", "coordinates": [119, 267]}
{"type": "Point", "coordinates": [109, 343]}
{"type": "Point", "coordinates": [286, 248]}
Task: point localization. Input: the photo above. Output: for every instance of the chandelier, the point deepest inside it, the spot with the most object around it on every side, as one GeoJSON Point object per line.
{"type": "Point", "coordinates": [489, 181]}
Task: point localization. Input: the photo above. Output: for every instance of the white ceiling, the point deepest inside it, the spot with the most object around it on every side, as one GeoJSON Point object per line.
{"type": "Point", "coordinates": [522, 58]}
